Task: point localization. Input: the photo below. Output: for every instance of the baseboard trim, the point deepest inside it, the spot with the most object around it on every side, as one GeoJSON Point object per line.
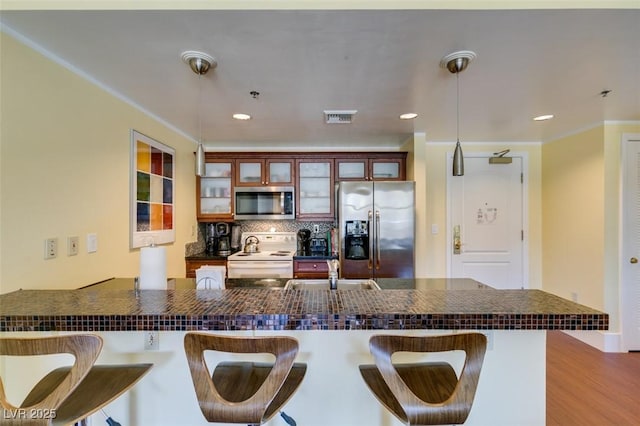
{"type": "Point", "coordinates": [603, 341]}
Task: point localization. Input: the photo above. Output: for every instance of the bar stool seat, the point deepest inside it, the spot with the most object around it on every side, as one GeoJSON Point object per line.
{"type": "Point", "coordinates": [240, 391]}
{"type": "Point", "coordinates": [426, 393]}
{"type": "Point", "coordinates": [67, 395]}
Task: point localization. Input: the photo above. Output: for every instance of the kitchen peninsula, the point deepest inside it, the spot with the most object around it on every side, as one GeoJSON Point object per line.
{"type": "Point", "coordinates": [333, 328]}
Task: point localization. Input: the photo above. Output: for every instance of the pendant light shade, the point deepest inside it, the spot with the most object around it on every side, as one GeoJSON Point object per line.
{"type": "Point", "coordinates": [200, 63]}
{"type": "Point", "coordinates": [458, 161]}
{"type": "Point", "coordinates": [456, 63]}
{"type": "Point", "coordinates": [200, 164]}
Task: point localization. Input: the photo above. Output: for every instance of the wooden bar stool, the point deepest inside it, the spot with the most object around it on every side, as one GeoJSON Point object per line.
{"type": "Point", "coordinates": [240, 391]}
{"type": "Point", "coordinates": [426, 393]}
{"type": "Point", "coordinates": [67, 394]}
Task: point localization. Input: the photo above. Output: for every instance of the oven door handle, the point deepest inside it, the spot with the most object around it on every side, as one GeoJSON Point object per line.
{"type": "Point", "coordinates": [265, 265]}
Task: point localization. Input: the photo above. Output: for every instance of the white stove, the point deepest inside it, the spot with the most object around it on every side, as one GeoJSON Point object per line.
{"type": "Point", "coordinates": [274, 258]}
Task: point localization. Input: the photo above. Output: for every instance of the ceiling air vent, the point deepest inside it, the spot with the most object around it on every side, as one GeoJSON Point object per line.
{"type": "Point", "coordinates": [339, 117]}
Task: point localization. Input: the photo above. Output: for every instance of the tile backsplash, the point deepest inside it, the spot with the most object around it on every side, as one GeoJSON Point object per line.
{"type": "Point", "coordinates": [259, 226]}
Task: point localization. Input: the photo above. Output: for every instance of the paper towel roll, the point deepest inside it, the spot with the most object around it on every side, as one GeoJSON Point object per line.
{"type": "Point", "coordinates": [153, 268]}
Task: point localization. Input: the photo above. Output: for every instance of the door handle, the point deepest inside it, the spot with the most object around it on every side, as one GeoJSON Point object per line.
{"type": "Point", "coordinates": [371, 242]}
{"type": "Point", "coordinates": [633, 260]}
{"type": "Point", "coordinates": [457, 243]}
{"type": "Point", "coordinates": [377, 239]}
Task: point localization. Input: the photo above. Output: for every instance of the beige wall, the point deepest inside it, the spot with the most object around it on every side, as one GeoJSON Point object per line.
{"type": "Point", "coordinates": [581, 209]}
{"type": "Point", "coordinates": [64, 171]}
{"type": "Point", "coordinates": [573, 234]}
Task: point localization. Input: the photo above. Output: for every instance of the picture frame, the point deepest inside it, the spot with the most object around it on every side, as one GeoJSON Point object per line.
{"type": "Point", "coordinates": [152, 193]}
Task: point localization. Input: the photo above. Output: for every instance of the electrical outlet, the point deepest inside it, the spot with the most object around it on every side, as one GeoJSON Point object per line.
{"type": "Point", "coordinates": [72, 246]}
{"type": "Point", "coordinates": [316, 229]}
{"type": "Point", "coordinates": [151, 340]}
{"type": "Point", "coordinates": [50, 248]}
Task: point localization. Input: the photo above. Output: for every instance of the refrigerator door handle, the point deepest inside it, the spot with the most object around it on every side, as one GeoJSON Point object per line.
{"type": "Point", "coordinates": [370, 263]}
{"type": "Point", "coordinates": [377, 237]}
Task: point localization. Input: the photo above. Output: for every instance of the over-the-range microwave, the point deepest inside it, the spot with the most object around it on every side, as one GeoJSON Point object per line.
{"type": "Point", "coordinates": [264, 202]}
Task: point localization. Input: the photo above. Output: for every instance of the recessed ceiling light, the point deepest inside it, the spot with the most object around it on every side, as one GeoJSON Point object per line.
{"type": "Point", "coordinates": [543, 117]}
{"type": "Point", "coordinates": [408, 116]}
{"type": "Point", "coordinates": [240, 116]}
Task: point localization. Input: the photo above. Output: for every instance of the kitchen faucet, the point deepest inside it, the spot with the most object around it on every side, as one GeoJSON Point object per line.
{"type": "Point", "coordinates": [333, 264]}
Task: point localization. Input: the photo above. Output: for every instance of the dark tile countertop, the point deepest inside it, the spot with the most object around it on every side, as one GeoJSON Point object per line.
{"type": "Point", "coordinates": [447, 304]}
{"type": "Point", "coordinates": [205, 256]}
{"type": "Point", "coordinates": [296, 256]}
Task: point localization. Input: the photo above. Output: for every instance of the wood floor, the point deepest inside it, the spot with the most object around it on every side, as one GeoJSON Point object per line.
{"type": "Point", "coordinates": [589, 387]}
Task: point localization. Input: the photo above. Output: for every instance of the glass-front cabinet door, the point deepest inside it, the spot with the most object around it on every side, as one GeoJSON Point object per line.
{"type": "Point", "coordinates": [250, 173]}
{"type": "Point", "coordinates": [352, 169]}
{"type": "Point", "coordinates": [383, 169]}
{"type": "Point", "coordinates": [315, 189]}
{"type": "Point", "coordinates": [279, 171]}
{"type": "Point", "coordinates": [215, 189]}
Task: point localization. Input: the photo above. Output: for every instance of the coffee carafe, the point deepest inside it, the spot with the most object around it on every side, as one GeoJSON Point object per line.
{"type": "Point", "coordinates": [304, 242]}
{"type": "Point", "coordinates": [223, 238]}
{"type": "Point", "coordinates": [236, 237]}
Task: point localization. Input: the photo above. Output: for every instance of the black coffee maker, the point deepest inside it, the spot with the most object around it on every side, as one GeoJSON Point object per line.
{"type": "Point", "coordinates": [218, 239]}
{"type": "Point", "coordinates": [318, 247]}
{"type": "Point", "coordinates": [304, 242]}
{"type": "Point", "coordinates": [356, 239]}
{"type": "Point", "coordinates": [211, 240]}
{"type": "Point", "coordinates": [223, 239]}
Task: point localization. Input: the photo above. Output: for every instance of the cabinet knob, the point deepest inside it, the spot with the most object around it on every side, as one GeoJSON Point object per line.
{"type": "Point", "coordinates": [315, 266]}
{"type": "Point", "coordinates": [633, 260]}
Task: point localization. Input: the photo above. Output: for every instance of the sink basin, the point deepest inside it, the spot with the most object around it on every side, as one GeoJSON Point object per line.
{"type": "Point", "coordinates": [323, 284]}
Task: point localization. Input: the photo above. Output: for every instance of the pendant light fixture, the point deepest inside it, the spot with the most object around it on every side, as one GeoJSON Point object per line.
{"type": "Point", "coordinates": [457, 62]}
{"type": "Point", "coordinates": [200, 63]}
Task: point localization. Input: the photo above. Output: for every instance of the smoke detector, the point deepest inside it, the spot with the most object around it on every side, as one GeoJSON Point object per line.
{"type": "Point", "coordinates": [339, 116]}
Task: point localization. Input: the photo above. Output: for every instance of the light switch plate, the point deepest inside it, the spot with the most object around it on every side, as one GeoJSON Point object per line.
{"type": "Point", "coordinates": [92, 243]}
{"type": "Point", "coordinates": [50, 248]}
{"type": "Point", "coordinates": [72, 246]}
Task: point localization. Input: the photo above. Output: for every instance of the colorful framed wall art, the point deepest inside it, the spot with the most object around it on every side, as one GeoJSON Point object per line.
{"type": "Point", "coordinates": [152, 192]}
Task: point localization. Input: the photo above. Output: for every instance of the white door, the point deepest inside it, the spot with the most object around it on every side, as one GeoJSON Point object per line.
{"type": "Point", "coordinates": [630, 268]}
{"type": "Point", "coordinates": [486, 222]}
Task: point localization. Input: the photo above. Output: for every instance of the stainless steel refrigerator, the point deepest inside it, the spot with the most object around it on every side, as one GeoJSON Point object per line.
{"type": "Point", "coordinates": [377, 227]}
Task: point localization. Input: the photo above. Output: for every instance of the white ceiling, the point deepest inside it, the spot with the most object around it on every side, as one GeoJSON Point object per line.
{"type": "Point", "coordinates": [379, 62]}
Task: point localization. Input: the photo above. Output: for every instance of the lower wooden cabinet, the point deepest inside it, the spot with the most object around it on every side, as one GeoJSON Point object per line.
{"type": "Point", "coordinates": [192, 265]}
{"type": "Point", "coordinates": [310, 268]}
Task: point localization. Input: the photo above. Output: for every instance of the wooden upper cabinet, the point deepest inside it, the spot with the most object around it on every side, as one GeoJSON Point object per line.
{"type": "Point", "coordinates": [387, 168]}
{"type": "Point", "coordinates": [314, 188]}
{"type": "Point", "coordinates": [352, 169]}
{"type": "Point", "coordinates": [371, 166]}
{"type": "Point", "coordinates": [262, 172]}
{"type": "Point", "coordinates": [313, 174]}
{"type": "Point", "coordinates": [280, 171]}
{"type": "Point", "coordinates": [214, 191]}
